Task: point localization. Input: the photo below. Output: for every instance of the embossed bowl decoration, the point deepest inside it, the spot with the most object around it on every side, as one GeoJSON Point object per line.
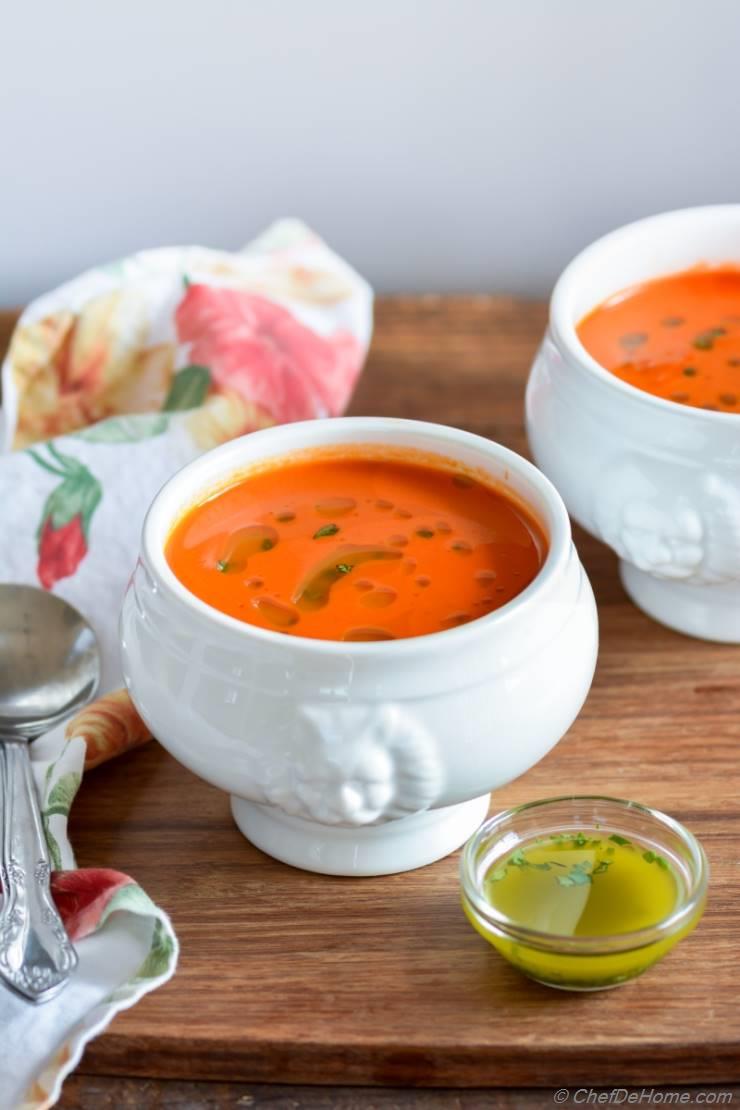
{"type": "Point", "coordinates": [657, 481]}
{"type": "Point", "coordinates": [359, 758]}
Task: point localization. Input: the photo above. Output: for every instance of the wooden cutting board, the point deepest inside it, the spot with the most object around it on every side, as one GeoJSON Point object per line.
{"type": "Point", "coordinates": [299, 978]}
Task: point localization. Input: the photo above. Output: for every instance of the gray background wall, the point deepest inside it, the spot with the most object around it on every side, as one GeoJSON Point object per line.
{"type": "Point", "coordinates": [439, 144]}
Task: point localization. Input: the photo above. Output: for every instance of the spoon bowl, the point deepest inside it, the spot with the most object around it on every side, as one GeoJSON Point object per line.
{"type": "Point", "coordinates": [49, 660]}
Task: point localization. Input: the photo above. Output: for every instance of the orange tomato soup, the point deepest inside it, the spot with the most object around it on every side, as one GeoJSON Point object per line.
{"type": "Point", "coordinates": [677, 337]}
{"type": "Point", "coordinates": [356, 548]}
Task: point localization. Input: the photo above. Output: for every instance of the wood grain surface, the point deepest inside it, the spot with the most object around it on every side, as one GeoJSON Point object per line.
{"type": "Point", "coordinates": [83, 1092]}
{"type": "Point", "coordinates": [287, 977]}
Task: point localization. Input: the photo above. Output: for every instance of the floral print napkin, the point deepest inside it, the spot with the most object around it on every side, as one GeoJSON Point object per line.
{"type": "Point", "coordinates": [113, 382]}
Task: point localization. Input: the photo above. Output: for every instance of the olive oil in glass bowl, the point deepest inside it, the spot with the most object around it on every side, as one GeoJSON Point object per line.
{"type": "Point", "coordinates": [583, 893]}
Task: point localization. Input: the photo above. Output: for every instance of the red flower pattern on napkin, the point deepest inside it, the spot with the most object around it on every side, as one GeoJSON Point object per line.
{"type": "Point", "coordinates": [61, 550]}
{"type": "Point", "coordinates": [65, 518]}
{"type": "Point", "coordinates": [262, 351]}
{"type": "Point", "coordinates": [81, 896]}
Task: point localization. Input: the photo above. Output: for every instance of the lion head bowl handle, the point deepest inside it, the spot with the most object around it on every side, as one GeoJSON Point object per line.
{"type": "Point", "coordinates": [355, 765]}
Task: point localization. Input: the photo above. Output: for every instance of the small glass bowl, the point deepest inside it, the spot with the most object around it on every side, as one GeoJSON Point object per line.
{"type": "Point", "coordinates": [584, 963]}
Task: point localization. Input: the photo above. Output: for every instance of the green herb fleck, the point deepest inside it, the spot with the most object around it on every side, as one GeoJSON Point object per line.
{"type": "Point", "coordinates": [267, 544]}
{"type": "Point", "coordinates": [326, 530]}
{"type": "Point", "coordinates": [577, 876]}
{"type": "Point", "coordinates": [653, 857]}
{"type": "Point", "coordinates": [425, 533]}
{"type": "Point", "coordinates": [580, 840]}
{"type": "Point", "coordinates": [602, 866]}
{"type": "Point", "coordinates": [718, 331]}
{"type": "Point", "coordinates": [672, 321]}
{"type": "Point", "coordinates": [518, 859]}
{"type": "Point", "coordinates": [690, 371]}
{"type": "Point", "coordinates": [704, 341]}
{"type": "Point", "coordinates": [222, 565]}
{"type": "Point", "coordinates": [344, 568]}
{"type": "Point", "coordinates": [619, 839]}
{"type": "Point", "coordinates": [497, 875]}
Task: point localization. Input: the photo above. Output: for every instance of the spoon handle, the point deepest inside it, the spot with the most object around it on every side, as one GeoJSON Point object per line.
{"type": "Point", "coordinates": [36, 956]}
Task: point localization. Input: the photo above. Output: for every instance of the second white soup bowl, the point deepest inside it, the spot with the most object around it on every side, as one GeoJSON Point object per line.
{"type": "Point", "coordinates": [359, 758]}
{"type": "Point", "coordinates": [656, 480]}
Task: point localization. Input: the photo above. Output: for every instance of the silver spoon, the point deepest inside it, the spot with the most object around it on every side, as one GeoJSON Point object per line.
{"type": "Point", "coordinates": [49, 667]}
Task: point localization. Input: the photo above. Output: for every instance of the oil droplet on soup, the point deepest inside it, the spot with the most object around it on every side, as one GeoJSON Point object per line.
{"type": "Point", "coordinates": [677, 337]}
{"type": "Point", "coordinates": [367, 635]}
{"type": "Point", "coordinates": [313, 538]}
{"type": "Point", "coordinates": [315, 590]}
{"type": "Point", "coordinates": [379, 598]}
{"type": "Point", "coordinates": [278, 614]}
{"type": "Point", "coordinates": [461, 547]}
{"type": "Point", "coordinates": [238, 548]}
{"type": "Point", "coordinates": [457, 618]}
{"type": "Point", "coordinates": [335, 506]}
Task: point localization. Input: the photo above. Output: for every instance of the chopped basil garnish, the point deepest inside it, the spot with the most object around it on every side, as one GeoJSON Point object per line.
{"type": "Point", "coordinates": [326, 530]}
{"type": "Point", "coordinates": [577, 876]}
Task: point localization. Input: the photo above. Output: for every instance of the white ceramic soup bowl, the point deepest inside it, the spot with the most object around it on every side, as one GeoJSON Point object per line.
{"type": "Point", "coordinates": [657, 481]}
{"type": "Point", "coordinates": [359, 758]}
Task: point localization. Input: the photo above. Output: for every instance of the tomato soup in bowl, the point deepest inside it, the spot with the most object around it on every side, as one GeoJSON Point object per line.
{"type": "Point", "coordinates": [676, 336]}
{"type": "Point", "coordinates": [357, 547]}
{"type": "Point", "coordinates": [632, 408]}
{"type": "Point", "coordinates": [357, 628]}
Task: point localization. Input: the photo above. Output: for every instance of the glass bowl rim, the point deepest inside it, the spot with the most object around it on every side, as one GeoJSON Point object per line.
{"type": "Point", "coordinates": [505, 927]}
